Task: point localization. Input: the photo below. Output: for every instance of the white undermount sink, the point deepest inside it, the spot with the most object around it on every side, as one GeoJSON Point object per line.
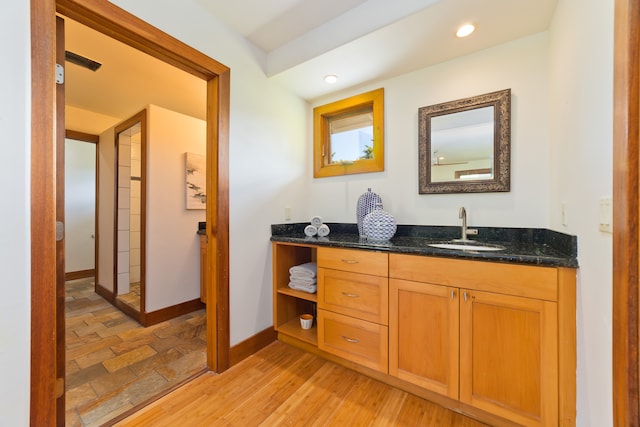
{"type": "Point", "coordinates": [475, 246]}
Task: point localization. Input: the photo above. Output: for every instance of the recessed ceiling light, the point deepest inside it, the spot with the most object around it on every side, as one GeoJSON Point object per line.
{"type": "Point", "coordinates": [465, 30]}
{"type": "Point", "coordinates": [331, 78]}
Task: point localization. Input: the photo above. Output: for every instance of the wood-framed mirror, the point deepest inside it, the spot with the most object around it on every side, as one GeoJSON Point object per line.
{"type": "Point", "coordinates": [130, 214]}
{"type": "Point", "coordinates": [465, 145]}
{"type": "Point", "coordinates": [348, 135]}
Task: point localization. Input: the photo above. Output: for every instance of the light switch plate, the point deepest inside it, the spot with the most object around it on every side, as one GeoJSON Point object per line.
{"type": "Point", "coordinates": [287, 214]}
{"type": "Point", "coordinates": [605, 214]}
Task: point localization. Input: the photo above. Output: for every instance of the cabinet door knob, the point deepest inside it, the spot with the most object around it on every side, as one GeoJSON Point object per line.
{"type": "Point", "coordinates": [453, 294]}
{"type": "Point", "coordinates": [466, 297]}
{"type": "Point", "coordinates": [349, 261]}
{"type": "Point", "coordinates": [351, 340]}
{"type": "Point", "coordinates": [347, 294]}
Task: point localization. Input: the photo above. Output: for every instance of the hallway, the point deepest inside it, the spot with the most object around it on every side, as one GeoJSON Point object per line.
{"type": "Point", "coordinates": [114, 364]}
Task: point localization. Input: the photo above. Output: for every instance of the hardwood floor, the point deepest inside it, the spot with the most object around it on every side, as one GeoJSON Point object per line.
{"type": "Point", "coordinates": [282, 385]}
{"type": "Point", "coordinates": [114, 364]}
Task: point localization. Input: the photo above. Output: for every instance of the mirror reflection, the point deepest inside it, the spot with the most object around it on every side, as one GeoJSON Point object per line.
{"type": "Point", "coordinates": [465, 145]}
{"type": "Point", "coordinates": [462, 145]}
{"type": "Point", "coordinates": [351, 137]}
{"type": "Point", "coordinates": [129, 244]}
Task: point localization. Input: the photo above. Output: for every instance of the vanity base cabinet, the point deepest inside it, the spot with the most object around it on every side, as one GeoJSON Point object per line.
{"type": "Point", "coordinates": [516, 343]}
{"type": "Point", "coordinates": [495, 341]}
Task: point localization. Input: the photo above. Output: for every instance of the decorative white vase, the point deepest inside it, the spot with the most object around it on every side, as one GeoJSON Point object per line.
{"type": "Point", "coordinates": [379, 225]}
{"type": "Point", "coordinates": [366, 203]}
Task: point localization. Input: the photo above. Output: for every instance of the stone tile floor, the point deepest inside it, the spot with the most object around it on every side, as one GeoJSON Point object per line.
{"type": "Point", "coordinates": [114, 364]}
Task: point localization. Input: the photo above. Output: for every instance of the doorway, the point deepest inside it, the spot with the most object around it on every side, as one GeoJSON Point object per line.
{"type": "Point", "coordinates": [80, 204]}
{"type": "Point", "coordinates": [109, 19]}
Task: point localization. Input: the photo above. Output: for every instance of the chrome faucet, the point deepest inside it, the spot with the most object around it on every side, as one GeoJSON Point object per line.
{"type": "Point", "coordinates": [462, 214]}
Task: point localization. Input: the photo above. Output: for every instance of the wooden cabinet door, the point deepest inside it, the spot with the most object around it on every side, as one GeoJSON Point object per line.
{"type": "Point", "coordinates": [508, 356]}
{"type": "Point", "coordinates": [423, 335]}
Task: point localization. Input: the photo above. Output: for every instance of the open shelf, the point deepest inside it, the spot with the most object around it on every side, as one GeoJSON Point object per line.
{"type": "Point", "coordinates": [293, 328]}
{"type": "Point", "coordinates": [290, 303]}
{"type": "Point", "coordinates": [298, 294]}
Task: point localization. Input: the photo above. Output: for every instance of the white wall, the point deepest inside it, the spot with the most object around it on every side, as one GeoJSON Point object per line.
{"type": "Point", "coordinates": [172, 245]}
{"type": "Point", "coordinates": [15, 86]}
{"type": "Point", "coordinates": [79, 205]}
{"type": "Point", "coordinates": [581, 131]}
{"type": "Point", "coordinates": [521, 65]}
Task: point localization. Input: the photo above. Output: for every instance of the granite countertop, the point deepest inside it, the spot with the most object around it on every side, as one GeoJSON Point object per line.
{"type": "Point", "coordinates": [522, 245]}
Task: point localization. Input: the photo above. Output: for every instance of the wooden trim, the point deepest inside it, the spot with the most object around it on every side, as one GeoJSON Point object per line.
{"type": "Point", "coordinates": [43, 211]}
{"type": "Point", "coordinates": [105, 293]}
{"type": "Point", "coordinates": [372, 101]}
{"type": "Point", "coordinates": [82, 136]}
{"type": "Point", "coordinates": [626, 242]}
{"type": "Point", "coordinates": [120, 25]}
{"type": "Point", "coordinates": [251, 345]}
{"type": "Point", "coordinates": [117, 23]}
{"type": "Point", "coordinates": [80, 274]}
{"type": "Point", "coordinates": [218, 223]}
{"type": "Point", "coordinates": [167, 313]}
{"type": "Point", "coordinates": [60, 217]}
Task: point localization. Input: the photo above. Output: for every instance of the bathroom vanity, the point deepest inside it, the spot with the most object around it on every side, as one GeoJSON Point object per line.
{"type": "Point", "coordinates": [487, 333]}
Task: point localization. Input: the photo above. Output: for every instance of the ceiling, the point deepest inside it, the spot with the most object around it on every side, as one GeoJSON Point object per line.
{"type": "Point", "coordinates": [303, 40]}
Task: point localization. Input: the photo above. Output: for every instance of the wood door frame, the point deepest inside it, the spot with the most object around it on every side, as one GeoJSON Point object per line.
{"type": "Point", "coordinates": [626, 187]}
{"type": "Point", "coordinates": [115, 22]}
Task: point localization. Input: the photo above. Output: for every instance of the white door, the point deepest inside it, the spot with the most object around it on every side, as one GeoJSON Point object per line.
{"type": "Point", "coordinates": [80, 205]}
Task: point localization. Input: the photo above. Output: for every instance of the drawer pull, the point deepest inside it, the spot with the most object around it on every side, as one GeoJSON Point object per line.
{"type": "Point", "coordinates": [351, 340]}
{"type": "Point", "coordinates": [349, 261]}
{"type": "Point", "coordinates": [349, 295]}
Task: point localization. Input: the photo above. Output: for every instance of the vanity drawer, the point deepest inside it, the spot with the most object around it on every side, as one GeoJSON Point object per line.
{"type": "Point", "coordinates": [367, 262]}
{"type": "Point", "coordinates": [354, 294]}
{"type": "Point", "coordinates": [359, 341]}
{"type": "Point", "coordinates": [512, 279]}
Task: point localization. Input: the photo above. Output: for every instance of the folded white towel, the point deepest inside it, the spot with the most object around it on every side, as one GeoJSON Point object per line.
{"type": "Point", "coordinates": [308, 269]}
{"type": "Point", "coordinates": [310, 231]}
{"type": "Point", "coordinates": [304, 280]}
{"type": "Point", "coordinates": [323, 230]}
{"type": "Point", "coordinates": [316, 221]}
{"type": "Point", "coordinates": [305, 288]}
